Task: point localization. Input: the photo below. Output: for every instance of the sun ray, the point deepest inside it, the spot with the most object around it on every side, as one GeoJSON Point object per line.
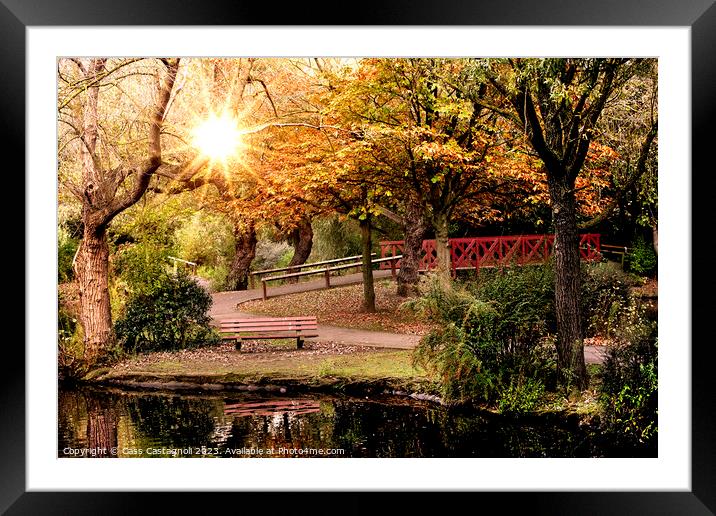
{"type": "Point", "coordinates": [218, 137]}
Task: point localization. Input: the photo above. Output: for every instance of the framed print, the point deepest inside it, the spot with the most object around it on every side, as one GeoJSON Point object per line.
{"type": "Point", "coordinates": [678, 481]}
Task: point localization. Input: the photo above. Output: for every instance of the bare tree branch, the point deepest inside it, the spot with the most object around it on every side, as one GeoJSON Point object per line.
{"type": "Point", "coordinates": [268, 95]}
{"type": "Point", "coordinates": [164, 86]}
{"type": "Point", "coordinates": [91, 81]}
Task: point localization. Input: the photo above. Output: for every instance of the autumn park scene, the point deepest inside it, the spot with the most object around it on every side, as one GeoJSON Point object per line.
{"type": "Point", "coordinates": [357, 257]}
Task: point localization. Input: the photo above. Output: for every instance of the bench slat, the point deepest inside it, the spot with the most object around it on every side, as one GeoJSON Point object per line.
{"type": "Point", "coordinates": [268, 319]}
{"type": "Point", "coordinates": [267, 323]}
{"type": "Point", "coordinates": [282, 331]}
{"type": "Point", "coordinates": [253, 327]}
{"type": "Point", "coordinates": [269, 336]}
{"type": "Point", "coordinates": [258, 324]}
{"type": "Point", "coordinates": [240, 319]}
{"type": "Point", "coordinates": [265, 329]}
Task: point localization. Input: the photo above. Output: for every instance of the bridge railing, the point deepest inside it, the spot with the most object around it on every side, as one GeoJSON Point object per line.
{"type": "Point", "coordinates": [473, 253]}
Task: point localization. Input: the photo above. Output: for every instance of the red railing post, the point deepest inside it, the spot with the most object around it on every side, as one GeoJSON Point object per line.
{"type": "Point", "coordinates": [453, 256]}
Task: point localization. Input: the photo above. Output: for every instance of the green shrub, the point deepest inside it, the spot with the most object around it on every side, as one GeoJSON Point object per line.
{"type": "Point", "coordinates": [141, 240]}
{"type": "Point", "coordinates": [457, 365]}
{"type": "Point", "coordinates": [145, 223]}
{"type": "Point", "coordinates": [494, 336]}
{"type": "Point", "coordinates": [440, 305]}
{"type": "Point", "coordinates": [490, 344]}
{"type": "Point", "coordinates": [216, 275]}
{"type": "Point", "coordinates": [604, 294]}
{"type": "Point", "coordinates": [141, 267]}
{"type": "Point", "coordinates": [271, 255]}
{"type": "Point", "coordinates": [642, 258]}
{"type": "Point", "coordinates": [207, 239]}
{"type": "Point", "coordinates": [521, 396]}
{"type": "Point", "coordinates": [335, 237]}
{"type": "Point", "coordinates": [66, 249]}
{"type": "Point", "coordinates": [526, 295]}
{"type": "Point", "coordinates": [70, 347]}
{"type": "Point", "coordinates": [629, 387]}
{"type": "Point", "coordinates": [171, 315]}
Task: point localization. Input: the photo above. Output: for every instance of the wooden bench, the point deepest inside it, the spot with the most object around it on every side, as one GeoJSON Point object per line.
{"type": "Point", "coordinates": [297, 328]}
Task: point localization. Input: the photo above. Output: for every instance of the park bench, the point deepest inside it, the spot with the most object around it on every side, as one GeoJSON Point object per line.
{"type": "Point", "coordinates": [297, 328]}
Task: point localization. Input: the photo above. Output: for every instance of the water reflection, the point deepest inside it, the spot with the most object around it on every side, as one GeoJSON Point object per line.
{"type": "Point", "coordinates": [110, 422]}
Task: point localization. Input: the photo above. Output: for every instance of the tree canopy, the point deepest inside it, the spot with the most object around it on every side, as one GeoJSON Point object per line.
{"type": "Point", "coordinates": [429, 144]}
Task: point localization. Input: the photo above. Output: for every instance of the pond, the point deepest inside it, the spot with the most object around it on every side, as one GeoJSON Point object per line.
{"type": "Point", "coordinates": [109, 422]}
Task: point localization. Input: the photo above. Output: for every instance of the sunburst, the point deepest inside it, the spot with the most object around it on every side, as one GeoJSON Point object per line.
{"type": "Point", "coordinates": [218, 137]}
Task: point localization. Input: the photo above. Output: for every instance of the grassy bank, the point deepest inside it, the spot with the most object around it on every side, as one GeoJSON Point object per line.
{"type": "Point", "coordinates": [277, 366]}
{"type": "Point", "coordinates": [273, 366]}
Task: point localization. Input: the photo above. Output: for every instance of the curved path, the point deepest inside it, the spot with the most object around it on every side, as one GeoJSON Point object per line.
{"type": "Point", "coordinates": [227, 305]}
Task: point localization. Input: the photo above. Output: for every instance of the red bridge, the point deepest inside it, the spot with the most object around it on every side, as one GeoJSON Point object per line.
{"type": "Point", "coordinates": [473, 253]}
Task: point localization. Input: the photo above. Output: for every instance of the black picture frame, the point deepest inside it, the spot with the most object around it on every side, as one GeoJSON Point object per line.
{"type": "Point", "coordinates": [699, 15]}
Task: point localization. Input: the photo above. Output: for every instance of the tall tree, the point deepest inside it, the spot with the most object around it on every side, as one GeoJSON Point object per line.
{"type": "Point", "coordinates": [558, 103]}
{"type": "Point", "coordinates": [112, 177]}
{"type": "Point", "coordinates": [438, 149]}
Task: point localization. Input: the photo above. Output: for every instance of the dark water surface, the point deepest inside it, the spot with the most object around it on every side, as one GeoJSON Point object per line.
{"type": "Point", "coordinates": [96, 422]}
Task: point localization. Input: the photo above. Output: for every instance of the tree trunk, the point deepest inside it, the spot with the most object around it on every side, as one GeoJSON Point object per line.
{"type": "Point", "coordinates": [414, 230]}
{"type": "Point", "coordinates": [245, 237]}
{"type": "Point", "coordinates": [92, 271]}
{"type": "Point", "coordinates": [442, 247]}
{"type": "Point", "coordinates": [102, 201]}
{"type": "Point", "coordinates": [368, 289]}
{"type": "Point", "coordinates": [301, 240]}
{"type": "Point", "coordinates": [655, 235]}
{"type": "Point", "coordinates": [302, 243]}
{"type": "Point", "coordinates": [570, 346]}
